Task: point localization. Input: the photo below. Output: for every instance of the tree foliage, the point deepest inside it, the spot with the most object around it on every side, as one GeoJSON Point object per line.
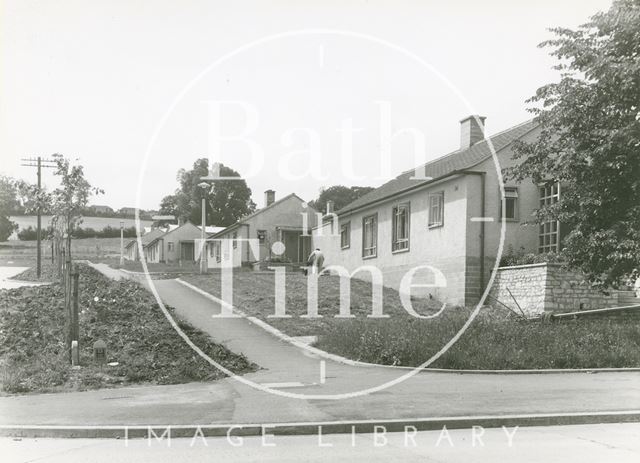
{"type": "Point", "coordinates": [340, 195]}
{"type": "Point", "coordinates": [69, 199]}
{"type": "Point", "coordinates": [7, 227]}
{"type": "Point", "coordinates": [226, 200]}
{"type": "Point", "coordinates": [9, 200]}
{"type": "Point", "coordinates": [8, 204]}
{"type": "Point", "coordinates": [590, 143]}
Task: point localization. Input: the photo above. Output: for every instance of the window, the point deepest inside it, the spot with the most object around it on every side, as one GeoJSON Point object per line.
{"type": "Point", "coordinates": [400, 223]}
{"type": "Point", "coordinates": [370, 236]}
{"type": "Point", "coordinates": [510, 204]}
{"type": "Point", "coordinates": [345, 235]}
{"type": "Point", "coordinates": [436, 209]}
{"type": "Point", "coordinates": [235, 237]}
{"type": "Point", "coordinates": [170, 246]}
{"type": "Point", "coordinates": [549, 232]}
{"type": "Point", "coordinates": [262, 236]}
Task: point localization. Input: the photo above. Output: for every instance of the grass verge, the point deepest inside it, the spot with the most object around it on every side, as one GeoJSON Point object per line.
{"type": "Point", "coordinates": [34, 358]}
{"type": "Point", "coordinates": [495, 340]}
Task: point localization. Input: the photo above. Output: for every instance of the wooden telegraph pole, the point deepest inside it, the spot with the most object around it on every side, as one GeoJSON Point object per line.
{"type": "Point", "coordinates": [38, 162]}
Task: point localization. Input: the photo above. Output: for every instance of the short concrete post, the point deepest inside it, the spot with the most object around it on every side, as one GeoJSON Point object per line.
{"type": "Point", "coordinates": [75, 354]}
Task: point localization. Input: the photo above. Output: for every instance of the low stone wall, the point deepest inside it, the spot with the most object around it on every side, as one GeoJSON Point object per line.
{"type": "Point", "coordinates": [547, 287]}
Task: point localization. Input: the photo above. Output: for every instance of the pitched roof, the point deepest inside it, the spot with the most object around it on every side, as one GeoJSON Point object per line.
{"type": "Point", "coordinates": [149, 237]}
{"type": "Point", "coordinates": [171, 230]}
{"type": "Point", "coordinates": [442, 167]}
{"type": "Point", "coordinates": [259, 211]}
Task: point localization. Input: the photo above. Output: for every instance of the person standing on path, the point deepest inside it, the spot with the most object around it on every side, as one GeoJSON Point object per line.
{"type": "Point", "coordinates": [315, 262]}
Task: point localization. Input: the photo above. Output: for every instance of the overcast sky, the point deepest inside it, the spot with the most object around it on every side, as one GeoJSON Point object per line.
{"type": "Point", "coordinates": [94, 80]}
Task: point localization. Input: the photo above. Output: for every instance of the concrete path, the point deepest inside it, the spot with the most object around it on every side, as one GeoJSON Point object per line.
{"type": "Point", "coordinates": [618, 443]}
{"type": "Point", "coordinates": [287, 369]}
{"type": "Point", "coordinates": [7, 272]}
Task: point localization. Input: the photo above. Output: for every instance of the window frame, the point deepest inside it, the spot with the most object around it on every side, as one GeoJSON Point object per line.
{"type": "Point", "coordinates": [430, 222]}
{"type": "Point", "coordinates": [395, 241]}
{"type": "Point", "coordinates": [171, 246]}
{"type": "Point", "coordinates": [346, 229]}
{"type": "Point", "coordinates": [549, 232]}
{"type": "Point", "coordinates": [516, 205]}
{"type": "Point", "coordinates": [374, 231]}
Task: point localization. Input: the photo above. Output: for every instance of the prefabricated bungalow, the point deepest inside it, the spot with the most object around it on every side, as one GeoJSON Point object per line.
{"type": "Point", "coordinates": [447, 216]}
{"type": "Point", "coordinates": [132, 251]}
{"type": "Point", "coordinates": [279, 221]}
{"type": "Point", "coordinates": [175, 245]}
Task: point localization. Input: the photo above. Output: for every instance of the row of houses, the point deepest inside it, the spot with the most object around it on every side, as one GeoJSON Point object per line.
{"type": "Point", "coordinates": [449, 218]}
{"type": "Point", "coordinates": [168, 243]}
{"type": "Point", "coordinates": [447, 215]}
{"type": "Point", "coordinates": [281, 220]}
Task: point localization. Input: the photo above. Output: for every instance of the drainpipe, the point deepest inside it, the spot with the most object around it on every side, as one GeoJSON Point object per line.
{"type": "Point", "coordinates": [483, 176]}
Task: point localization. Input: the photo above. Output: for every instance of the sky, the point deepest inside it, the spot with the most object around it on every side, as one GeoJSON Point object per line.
{"type": "Point", "coordinates": [294, 95]}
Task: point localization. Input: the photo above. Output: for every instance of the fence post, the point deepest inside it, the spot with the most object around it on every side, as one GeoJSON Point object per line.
{"type": "Point", "coordinates": [75, 329]}
{"type": "Point", "coordinates": [67, 304]}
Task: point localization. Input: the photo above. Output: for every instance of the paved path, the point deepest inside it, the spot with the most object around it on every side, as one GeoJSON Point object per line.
{"type": "Point", "coordinates": [618, 443]}
{"type": "Point", "coordinates": [427, 394]}
{"type": "Point", "coordinates": [7, 272]}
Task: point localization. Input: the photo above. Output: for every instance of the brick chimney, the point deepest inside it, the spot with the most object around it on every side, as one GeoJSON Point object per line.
{"type": "Point", "coordinates": [471, 131]}
{"type": "Point", "coordinates": [269, 197]}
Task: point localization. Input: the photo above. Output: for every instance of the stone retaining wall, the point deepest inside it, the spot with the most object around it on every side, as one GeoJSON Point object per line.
{"type": "Point", "coordinates": [547, 287]}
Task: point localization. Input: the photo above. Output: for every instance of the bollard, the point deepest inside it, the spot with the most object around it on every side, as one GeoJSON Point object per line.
{"type": "Point", "coordinates": [75, 354]}
{"type": "Point", "coordinates": [100, 351]}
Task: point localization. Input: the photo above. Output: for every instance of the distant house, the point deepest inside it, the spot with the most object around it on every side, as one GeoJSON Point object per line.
{"type": "Point", "coordinates": [128, 211]}
{"type": "Point", "coordinates": [102, 209]}
{"type": "Point", "coordinates": [448, 216]}
{"type": "Point", "coordinates": [280, 220]}
{"type": "Point", "coordinates": [178, 244]}
{"type": "Point", "coordinates": [132, 251]}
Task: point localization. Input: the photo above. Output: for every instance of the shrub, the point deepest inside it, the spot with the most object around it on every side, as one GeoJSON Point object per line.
{"type": "Point", "coordinates": [520, 257]}
{"type": "Point", "coordinates": [30, 234]}
{"type": "Point", "coordinates": [7, 227]}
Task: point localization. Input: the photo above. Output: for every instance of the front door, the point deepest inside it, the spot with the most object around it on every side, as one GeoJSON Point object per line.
{"type": "Point", "coordinates": [290, 240]}
{"type": "Point", "coordinates": [187, 251]}
{"type": "Point", "coordinates": [304, 247]}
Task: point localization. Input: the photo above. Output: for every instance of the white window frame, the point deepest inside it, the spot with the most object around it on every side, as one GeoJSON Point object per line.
{"type": "Point", "coordinates": [371, 251]}
{"type": "Point", "coordinates": [510, 193]}
{"type": "Point", "coordinates": [170, 246]}
{"type": "Point", "coordinates": [345, 235]}
{"type": "Point", "coordinates": [549, 232]}
{"type": "Point", "coordinates": [438, 198]}
{"type": "Point", "coordinates": [400, 244]}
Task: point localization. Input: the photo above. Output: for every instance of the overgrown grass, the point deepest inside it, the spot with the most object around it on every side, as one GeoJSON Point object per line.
{"type": "Point", "coordinates": [254, 294]}
{"type": "Point", "coordinates": [34, 357]}
{"type": "Point", "coordinates": [494, 340]}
